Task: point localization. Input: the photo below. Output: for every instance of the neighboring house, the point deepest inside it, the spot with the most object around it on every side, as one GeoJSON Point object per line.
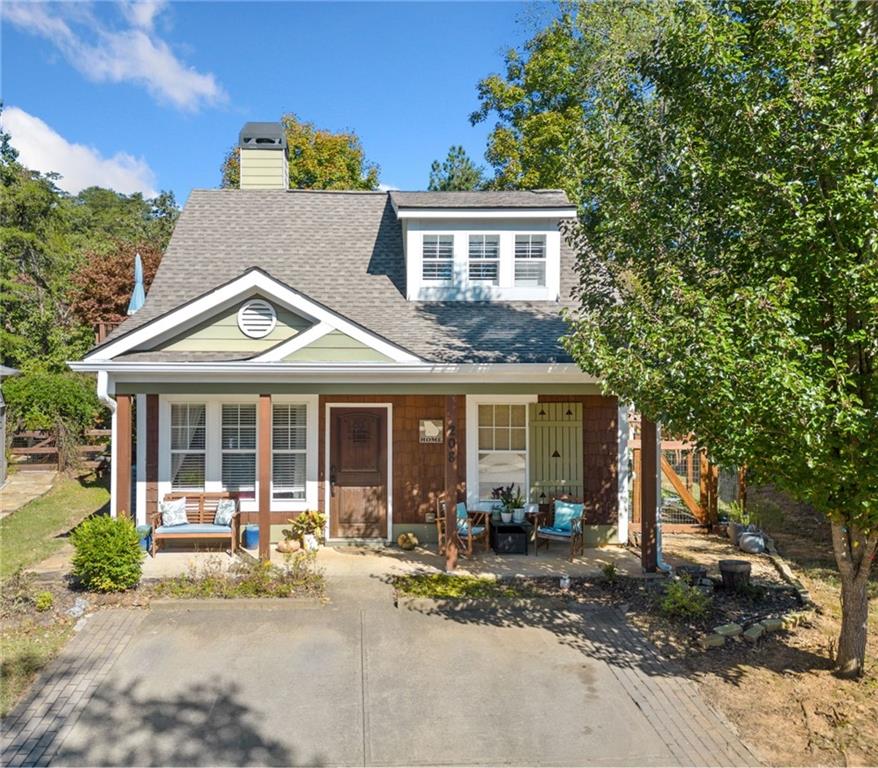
{"type": "Point", "coordinates": [376, 349]}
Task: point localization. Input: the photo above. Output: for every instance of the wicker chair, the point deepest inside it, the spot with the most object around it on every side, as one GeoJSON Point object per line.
{"type": "Point", "coordinates": [562, 522]}
{"type": "Point", "coordinates": [472, 528]}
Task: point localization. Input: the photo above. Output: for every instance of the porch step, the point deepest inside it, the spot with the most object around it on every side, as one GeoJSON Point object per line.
{"type": "Point", "coordinates": [365, 543]}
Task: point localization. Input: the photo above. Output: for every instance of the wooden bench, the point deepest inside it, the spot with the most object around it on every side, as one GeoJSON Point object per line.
{"type": "Point", "coordinates": [200, 512]}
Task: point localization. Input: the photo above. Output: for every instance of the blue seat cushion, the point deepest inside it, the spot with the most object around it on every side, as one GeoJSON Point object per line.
{"type": "Point", "coordinates": [555, 531]}
{"type": "Point", "coordinates": [464, 530]}
{"type": "Point", "coordinates": [219, 530]}
{"type": "Point", "coordinates": [565, 513]}
{"type": "Point", "coordinates": [460, 511]}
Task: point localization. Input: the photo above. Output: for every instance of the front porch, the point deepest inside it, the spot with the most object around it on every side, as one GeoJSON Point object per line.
{"type": "Point", "coordinates": [375, 461]}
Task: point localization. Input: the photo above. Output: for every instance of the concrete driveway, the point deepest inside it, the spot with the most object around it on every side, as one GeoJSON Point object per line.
{"type": "Point", "coordinates": [361, 682]}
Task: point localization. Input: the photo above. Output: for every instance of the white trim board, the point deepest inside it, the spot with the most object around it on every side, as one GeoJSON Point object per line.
{"type": "Point", "coordinates": [190, 314]}
{"type": "Point", "coordinates": [326, 463]}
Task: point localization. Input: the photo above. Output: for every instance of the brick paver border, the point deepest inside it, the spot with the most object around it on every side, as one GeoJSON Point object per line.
{"type": "Point", "coordinates": [34, 731]}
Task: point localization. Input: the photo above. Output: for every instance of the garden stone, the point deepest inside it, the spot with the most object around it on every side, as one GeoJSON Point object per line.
{"type": "Point", "coordinates": [753, 633]}
{"type": "Point", "coordinates": [713, 641]}
{"type": "Point", "coordinates": [728, 630]}
{"type": "Point", "coordinates": [790, 621]}
{"type": "Point", "coordinates": [79, 607]}
{"type": "Point", "coordinates": [772, 625]}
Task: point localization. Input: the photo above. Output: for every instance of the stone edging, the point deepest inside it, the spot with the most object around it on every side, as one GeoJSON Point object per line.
{"type": "Point", "coordinates": [786, 573]}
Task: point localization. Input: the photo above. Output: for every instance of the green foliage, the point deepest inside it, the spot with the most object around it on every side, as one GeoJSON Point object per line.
{"type": "Point", "coordinates": [44, 601]}
{"type": "Point", "coordinates": [554, 88]}
{"type": "Point", "coordinates": [610, 572]}
{"type": "Point", "coordinates": [298, 576]}
{"type": "Point", "coordinates": [108, 556]}
{"type": "Point", "coordinates": [509, 496]}
{"type": "Point", "coordinates": [445, 586]}
{"type": "Point", "coordinates": [456, 173]}
{"type": "Point", "coordinates": [318, 159]}
{"type": "Point", "coordinates": [308, 522]}
{"type": "Point", "coordinates": [45, 236]}
{"type": "Point", "coordinates": [39, 400]}
{"type": "Point", "coordinates": [682, 601]}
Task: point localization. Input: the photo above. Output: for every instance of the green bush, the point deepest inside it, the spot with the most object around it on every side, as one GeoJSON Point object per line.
{"type": "Point", "coordinates": [682, 601]}
{"type": "Point", "coordinates": [39, 400]}
{"type": "Point", "coordinates": [44, 601]}
{"type": "Point", "coordinates": [108, 555]}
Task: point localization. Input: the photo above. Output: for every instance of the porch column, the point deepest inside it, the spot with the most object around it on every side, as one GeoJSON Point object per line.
{"type": "Point", "coordinates": [122, 469]}
{"type": "Point", "coordinates": [649, 468]}
{"type": "Point", "coordinates": [451, 480]}
{"type": "Point", "coordinates": [264, 463]}
{"type": "Point", "coordinates": [152, 456]}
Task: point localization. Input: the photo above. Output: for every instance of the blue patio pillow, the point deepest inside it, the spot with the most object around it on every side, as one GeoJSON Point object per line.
{"type": "Point", "coordinates": [173, 512]}
{"type": "Point", "coordinates": [225, 510]}
{"type": "Point", "coordinates": [565, 513]}
{"type": "Point", "coordinates": [462, 517]}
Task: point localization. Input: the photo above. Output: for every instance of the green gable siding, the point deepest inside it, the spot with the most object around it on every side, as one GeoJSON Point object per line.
{"type": "Point", "coordinates": [336, 347]}
{"type": "Point", "coordinates": [220, 333]}
{"type": "Point", "coordinates": [555, 450]}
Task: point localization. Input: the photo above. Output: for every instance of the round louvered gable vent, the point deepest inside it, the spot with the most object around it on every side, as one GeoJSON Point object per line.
{"type": "Point", "coordinates": [257, 318]}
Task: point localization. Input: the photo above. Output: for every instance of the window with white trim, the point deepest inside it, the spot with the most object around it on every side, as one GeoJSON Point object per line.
{"type": "Point", "coordinates": [502, 447]}
{"type": "Point", "coordinates": [530, 261]}
{"type": "Point", "coordinates": [484, 259]}
{"type": "Point", "coordinates": [239, 449]}
{"type": "Point", "coordinates": [289, 427]}
{"type": "Point", "coordinates": [187, 446]}
{"type": "Point", "coordinates": [437, 258]}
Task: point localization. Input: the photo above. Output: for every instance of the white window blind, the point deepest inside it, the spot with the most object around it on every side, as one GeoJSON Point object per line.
{"type": "Point", "coordinates": [288, 436]}
{"type": "Point", "coordinates": [239, 449]}
{"type": "Point", "coordinates": [502, 447]}
{"type": "Point", "coordinates": [530, 260]}
{"type": "Point", "coordinates": [438, 257]}
{"type": "Point", "coordinates": [484, 258]}
{"type": "Point", "coordinates": [187, 446]}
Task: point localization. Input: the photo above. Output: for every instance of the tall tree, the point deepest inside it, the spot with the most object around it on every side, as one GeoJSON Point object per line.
{"type": "Point", "coordinates": [728, 253]}
{"type": "Point", "coordinates": [457, 173]}
{"type": "Point", "coordinates": [318, 159]}
{"type": "Point", "coordinates": [554, 85]}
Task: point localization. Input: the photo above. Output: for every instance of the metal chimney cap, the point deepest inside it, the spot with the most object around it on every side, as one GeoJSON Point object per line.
{"type": "Point", "coordinates": [262, 136]}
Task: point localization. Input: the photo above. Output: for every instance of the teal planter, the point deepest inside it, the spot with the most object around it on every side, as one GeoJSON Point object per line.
{"type": "Point", "coordinates": [145, 534]}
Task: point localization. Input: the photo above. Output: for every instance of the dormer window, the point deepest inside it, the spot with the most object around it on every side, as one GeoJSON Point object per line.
{"type": "Point", "coordinates": [530, 261]}
{"type": "Point", "coordinates": [484, 259]}
{"type": "Point", "coordinates": [438, 258]}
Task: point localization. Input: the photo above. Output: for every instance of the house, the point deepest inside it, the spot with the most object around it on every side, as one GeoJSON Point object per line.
{"type": "Point", "coordinates": [361, 353]}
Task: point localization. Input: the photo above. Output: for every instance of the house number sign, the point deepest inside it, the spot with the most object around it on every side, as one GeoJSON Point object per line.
{"type": "Point", "coordinates": [431, 431]}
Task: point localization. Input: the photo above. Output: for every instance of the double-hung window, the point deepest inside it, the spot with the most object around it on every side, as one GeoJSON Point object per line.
{"type": "Point", "coordinates": [187, 446]}
{"type": "Point", "coordinates": [530, 261]}
{"type": "Point", "coordinates": [484, 259]}
{"type": "Point", "coordinates": [437, 258]}
{"type": "Point", "coordinates": [502, 447]}
{"type": "Point", "coordinates": [288, 441]}
{"type": "Point", "coordinates": [239, 449]}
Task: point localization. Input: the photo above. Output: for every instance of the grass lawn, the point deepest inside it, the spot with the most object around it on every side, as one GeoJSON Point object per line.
{"type": "Point", "coordinates": [444, 586]}
{"type": "Point", "coordinates": [38, 529]}
{"type": "Point", "coordinates": [25, 650]}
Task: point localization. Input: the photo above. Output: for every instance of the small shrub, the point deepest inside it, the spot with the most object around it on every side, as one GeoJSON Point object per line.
{"type": "Point", "coordinates": [308, 522]}
{"type": "Point", "coordinates": [446, 586]}
{"type": "Point", "coordinates": [611, 573]}
{"type": "Point", "coordinates": [16, 593]}
{"type": "Point", "coordinates": [108, 555]}
{"type": "Point", "coordinates": [682, 601]}
{"type": "Point", "coordinates": [44, 601]}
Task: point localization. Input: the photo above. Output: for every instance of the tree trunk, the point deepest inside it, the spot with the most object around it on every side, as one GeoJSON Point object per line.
{"type": "Point", "coordinates": [854, 554]}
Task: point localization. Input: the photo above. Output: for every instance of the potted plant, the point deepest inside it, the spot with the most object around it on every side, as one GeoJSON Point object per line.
{"type": "Point", "coordinates": [512, 502]}
{"type": "Point", "coordinates": [307, 528]}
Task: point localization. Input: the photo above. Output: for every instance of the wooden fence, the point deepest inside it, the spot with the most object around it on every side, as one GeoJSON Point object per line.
{"type": "Point", "coordinates": [36, 450]}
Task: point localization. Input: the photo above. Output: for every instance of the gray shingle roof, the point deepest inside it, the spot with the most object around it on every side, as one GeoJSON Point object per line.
{"type": "Point", "coordinates": [344, 250]}
{"type": "Point", "coordinates": [537, 198]}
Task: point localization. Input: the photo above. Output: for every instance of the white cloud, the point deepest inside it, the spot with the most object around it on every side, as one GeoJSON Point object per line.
{"type": "Point", "coordinates": [42, 149]}
{"type": "Point", "coordinates": [386, 188]}
{"type": "Point", "coordinates": [134, 53]}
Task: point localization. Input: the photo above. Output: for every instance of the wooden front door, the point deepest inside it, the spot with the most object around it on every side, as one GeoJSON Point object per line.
{"type": "Point", "coordinates": [358, 473]}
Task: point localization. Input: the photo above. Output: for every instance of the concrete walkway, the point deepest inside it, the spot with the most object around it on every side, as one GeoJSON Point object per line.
{"type": "Point", "coordinates": [362, 682]}
{"type": "Point", "coordinates": [22, 486]}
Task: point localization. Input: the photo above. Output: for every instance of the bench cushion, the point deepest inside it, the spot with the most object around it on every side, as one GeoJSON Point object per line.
{"type": "Point", "coordinates": [217, 530]}
{"type": "Point", "coordinates": [173, 512]}
{"type": "Point", "coordinates": [566, 513]}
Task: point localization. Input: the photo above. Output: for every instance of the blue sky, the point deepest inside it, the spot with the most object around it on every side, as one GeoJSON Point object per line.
{"type": "Point", "coordinates": [149, 96]}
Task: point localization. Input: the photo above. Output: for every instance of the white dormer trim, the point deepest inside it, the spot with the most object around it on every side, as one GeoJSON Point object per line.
{"type": "Point", "coordinates": [254, 281]}
{"type": "Point", "coordinates": [460, 287]}
{"type": "Point", "coordinates": [486, 213]}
